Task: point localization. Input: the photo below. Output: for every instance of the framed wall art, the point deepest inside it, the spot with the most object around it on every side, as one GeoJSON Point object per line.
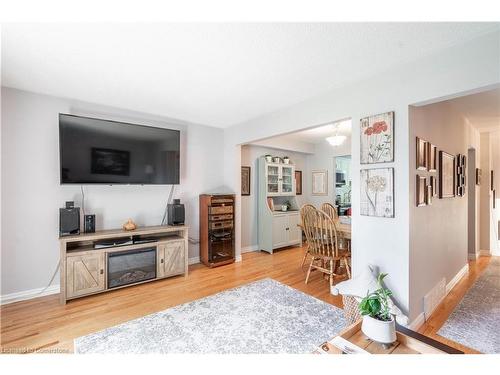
{"type": "Point", "coordinates": [421, 191]}
{"type": "Point", "coordinates": [298, 182]}
{"type": "Point", "coordinates": [428, 195]}
{"type": "Point", "coordinates": [446, 175]}
{"type": "Point", "coordinates": [433, 185]}
{"type": "Point", "coordinates": [320, 182]}
{"type": "Point", "coordinates": [432, 157]}
{"type": "Point", "coordinates": [377, 138]}
{"type": "Point", "coordinates": [377, 192]}
{"type": "Point", "coordinates": [245, 180]}
{"type": "Point", "coordinates": [421, 155]}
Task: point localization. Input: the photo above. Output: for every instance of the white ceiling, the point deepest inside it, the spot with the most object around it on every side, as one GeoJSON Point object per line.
{"type": "Point", "coordinates": [213, 74]}
{"type": "Point", "coordinates": [482, 110]}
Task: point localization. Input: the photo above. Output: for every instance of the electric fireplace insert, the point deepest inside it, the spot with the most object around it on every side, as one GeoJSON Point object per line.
{"type": "Point", "coordinates": [132, 266]}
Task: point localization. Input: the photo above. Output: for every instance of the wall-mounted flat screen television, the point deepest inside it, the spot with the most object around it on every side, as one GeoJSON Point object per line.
{"type": "Point", "coordinates": [95, 151]}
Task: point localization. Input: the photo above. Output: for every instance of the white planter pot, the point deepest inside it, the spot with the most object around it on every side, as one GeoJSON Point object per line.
{"type": "Point", "coordinates": [378, 330]}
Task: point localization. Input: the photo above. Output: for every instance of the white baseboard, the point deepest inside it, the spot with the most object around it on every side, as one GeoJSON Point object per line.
{"type": "Point", "coordinates": [248, 249]}
{"type": "Point", "coordinates": [193, 260]}
{"type": "Point", "coordinates": [484, 253]}
{"type": "Point", "coordinates": [464, 271]}
{"type": "Point", "coordinates": [473, 256]}
{"type": "Point", "coordinates": [28, 294]}
{"type": "Point", "coordinates": [238, 258]}
{"type": "Point", "coordinates": [417, 322]}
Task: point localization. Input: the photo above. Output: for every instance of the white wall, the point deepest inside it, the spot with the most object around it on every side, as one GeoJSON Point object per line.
{"type": "Point", "coordinates": [384, 242]}
{"type": "Point", "coordinates": [32, 195]}
{"type": "Point", "coordinates": [438, 232]}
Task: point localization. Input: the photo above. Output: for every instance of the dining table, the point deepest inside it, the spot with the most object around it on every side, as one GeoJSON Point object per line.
{"type": "Point", "coordinates": [344, 229]}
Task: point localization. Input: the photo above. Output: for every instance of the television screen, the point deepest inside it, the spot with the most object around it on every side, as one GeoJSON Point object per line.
{"type": "Point", "coordinates": [94, 151]}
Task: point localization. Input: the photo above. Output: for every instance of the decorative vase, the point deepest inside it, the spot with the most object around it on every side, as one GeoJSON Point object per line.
{"type": "Point", "coordinates": [286, 160]}
{"type": "Point", "coordinates": [276, 159]}
{"type": "Point", "coordinates": [129, 225]}
{"type": "Point", "coordinates": [269, 158]}
{"type": "Point", "coordinates": [383, 332]}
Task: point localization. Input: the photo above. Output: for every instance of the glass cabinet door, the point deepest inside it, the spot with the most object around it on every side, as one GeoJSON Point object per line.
{"type": "Point", "coordinates": [272, 179]}
{"type": "Point", "coordinates": [287, 179]}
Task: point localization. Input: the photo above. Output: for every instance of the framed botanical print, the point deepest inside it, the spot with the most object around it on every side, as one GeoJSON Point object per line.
{"type": "Point", "coordinates": [377, 192]}
{"type": "Point", "coordinates": [377, 138]}
{"type": "Point", "coordinates": [422, 153]}
{"type": "Point", "coordinates": [298, 182]}
{"type": "Point", "coordinates": [245, 181]}
{"type": "Point", "coordinates": [446, 175]}
{"type": "Point", "coordinates": [421, 191]}
{"type": "Point", "coordinates": [320, 182]}
{"type": "Point", "coordinates": [432, 157]}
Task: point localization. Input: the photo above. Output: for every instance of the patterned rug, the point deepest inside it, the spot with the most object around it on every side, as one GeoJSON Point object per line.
{"type": "Point", "coordinates": [261, 317]}
{"type": "Point", "coordinates": [475, 322]}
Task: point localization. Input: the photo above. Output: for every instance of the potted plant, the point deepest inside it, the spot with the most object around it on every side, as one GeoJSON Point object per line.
{"type": "Point", "coordinates": [269, 158]}
{"type": "Point", "coordinates": [378, 322]}
{"type": "Point", "coordinates": [286, 160]}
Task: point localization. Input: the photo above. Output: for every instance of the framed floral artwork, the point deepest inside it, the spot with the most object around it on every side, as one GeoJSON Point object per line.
{"type": "Point", "coordinates": [377, 192]}
{"type": "Point", "coordinates": [377, 138]}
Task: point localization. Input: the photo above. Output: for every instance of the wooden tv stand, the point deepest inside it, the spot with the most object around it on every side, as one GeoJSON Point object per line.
{"type": "Point", "coordinates": [84, 268]}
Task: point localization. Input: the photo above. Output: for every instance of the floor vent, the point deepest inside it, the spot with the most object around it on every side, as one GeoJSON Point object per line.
{"type": "Point", "coordinates": [434, 297]}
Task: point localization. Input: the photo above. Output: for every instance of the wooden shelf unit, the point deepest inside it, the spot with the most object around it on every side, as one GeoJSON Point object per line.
{"type": "Point", "coordinates": [84, 269]}
{"type": "Point", "coordinates": [217, 229]}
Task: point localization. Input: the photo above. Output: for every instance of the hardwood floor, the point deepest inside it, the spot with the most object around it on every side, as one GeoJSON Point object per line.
{"type": "Point", "coordinates": [445, 308]}
{"type": "Point", "coordinates": [42, 324]}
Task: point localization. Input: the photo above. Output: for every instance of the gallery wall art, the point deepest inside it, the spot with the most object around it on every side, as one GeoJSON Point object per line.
{"type": "Point", "coordinates": [377, 192]}
{"type": "Point", "coordinates": [377, 138]}
{"type": "Point", "coordinates": [460, 164]}
{"type": "Point", "coordinates": [421, 156]}
{"type": "Point", "coordinates": [446, 175]}
{"type": "Point", "coordinates": [420, 191]}
{"type": "Point", "coordinates": [432, 157]}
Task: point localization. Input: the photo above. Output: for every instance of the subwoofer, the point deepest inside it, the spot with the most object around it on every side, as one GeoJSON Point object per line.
{"type": "Point", "coordinates": [69, 221]}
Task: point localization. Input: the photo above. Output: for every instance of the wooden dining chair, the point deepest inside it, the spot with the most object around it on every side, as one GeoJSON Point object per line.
{"type": "Point", "coordinates": [324, 246]}
{"type": "Point", "coordinates": [330, 210]}
{"type": "Point", "coordinates": [305, 208]}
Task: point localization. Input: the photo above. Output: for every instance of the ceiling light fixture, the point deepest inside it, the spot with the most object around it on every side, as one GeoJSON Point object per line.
{"type": "Point", "coordinates": [336, 139]}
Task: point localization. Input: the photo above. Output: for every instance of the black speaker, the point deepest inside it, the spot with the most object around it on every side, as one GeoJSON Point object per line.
{"type": "Point", "coordinates": [175, 213]}
{"type": "Point", "coordinates": [69, 221]}
{"type": "Point", "coordinates": [89, 224]}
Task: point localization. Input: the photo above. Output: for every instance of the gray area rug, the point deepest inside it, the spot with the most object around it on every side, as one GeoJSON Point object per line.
{"type": "Point", "coordinates": [475, 322]}
{"type": "Point", "coordinates": [261, 317]}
